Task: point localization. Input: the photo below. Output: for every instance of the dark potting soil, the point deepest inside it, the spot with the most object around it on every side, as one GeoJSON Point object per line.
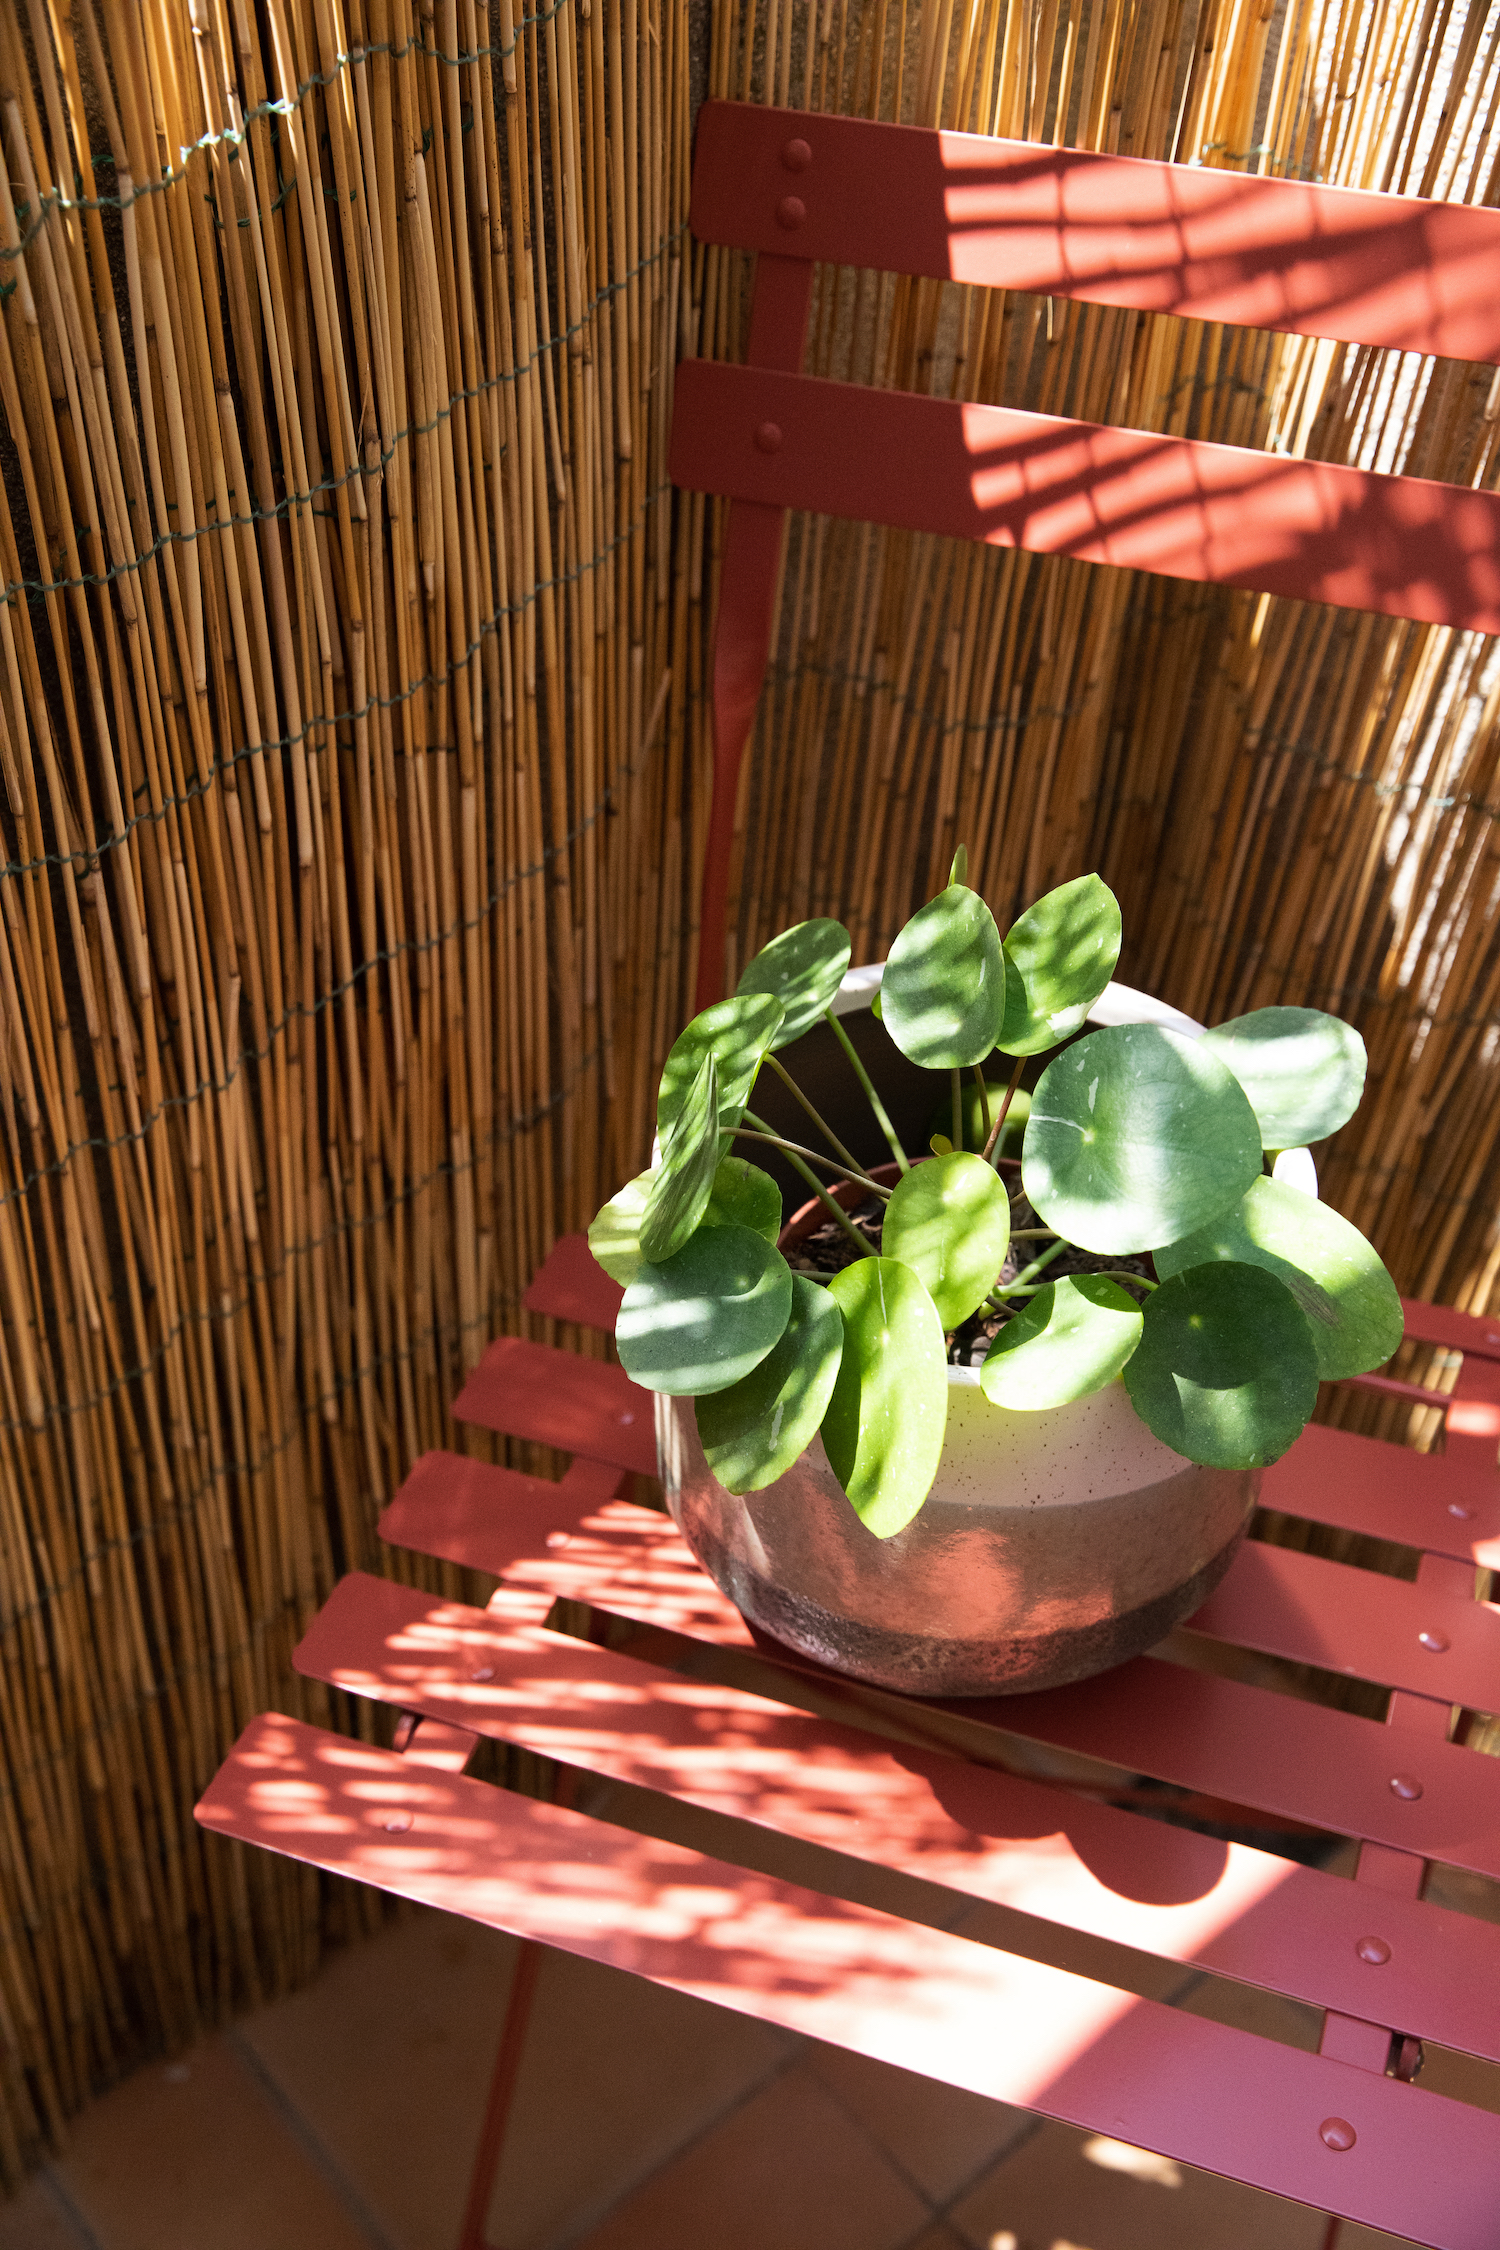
{"type": "Point", "coordinates": [828, 1250]}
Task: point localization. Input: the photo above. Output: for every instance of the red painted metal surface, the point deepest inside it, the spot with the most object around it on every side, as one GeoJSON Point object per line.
{"type": "Point", "coordinates": [1358, 1621]}
{"type": "Point", "coordinates": [1112, 230]}
{"type": "Point", "coordinates": [554, 1398]}
{"type": "Point", "coordinates": [569, 1284]}
{"type": "Point", "coordinates": [966, 2014]}
{"type": "Point", "coordinates": [1039, 1851]}
{"type": "Point", "coordinates": [1178, 507]}
{"type": "Point", "coordinates": [1444, 1324]}
{"type": "Point", "coordinates": [470, 1512]}
{"type": "Point", "coordinates": [1429, 1500]}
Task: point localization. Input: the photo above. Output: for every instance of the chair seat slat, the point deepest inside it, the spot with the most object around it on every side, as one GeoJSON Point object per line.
{"type": "Point", "coordinates": [927, 2000]}
{"type": "Point", "coordinates": [552, 1397]}
{"type": "Point", "coordinates": [1013, 1842]}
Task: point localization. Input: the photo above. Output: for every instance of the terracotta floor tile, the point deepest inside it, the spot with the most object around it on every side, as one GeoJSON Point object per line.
{"type": "Point", "coordinates": [786, 2171]}
{"type": "Point", "coordinates": [938, 2135]}
{"type": "Point", "coordinates": [192, 2156]}
{"type": "Point", "coordinates": [617, 2076]}
{"type": "Point", "coordinates": [38, 2219]}
{"type": "Point", "coordinates": [388, 2059]}
{"type": "Point", "coordinates": [1050, 2195]}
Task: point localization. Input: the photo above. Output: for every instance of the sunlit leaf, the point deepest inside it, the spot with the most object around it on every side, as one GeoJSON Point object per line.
{"type": "Point", "coordinates": [683, 1181]}
{"type": "Point", "coordinates": [949, 1220]}
{"type": "Point", "coordinates": [1137, 1136]}
{"type": "Point", "coordinates": [1225, 1371]}
{"type": "Point", "coordinates": [754, 1431]}
{"type": "Point", "coordinates": [707, 1316]}
{"type": "Point", "coordinates": [615, 1234]}
{"type": "Point", "coordinates": [1304, 1071]}
{"type": "Point", "coordinates": [1073, 1338]}
{"type": "Point", "coordinates": [803, 969]}
{"type": "Point", "coordinates": [883, 1430]}
{"type": "Point", "coordinates": [943, 991]}
{"type": "Point", "coordinates": [1060, 955]}
{"type": "Point", "coordinates": [1296, 1167]}
{"type": "Point", "coordinates": [737, 1033]}
{"type": "Point", "coordinates": [1348, 1298]}
{"type": "Point", "coordinates": [744, 1196]}
{"type": "Point", "coordinates": [960, 873]}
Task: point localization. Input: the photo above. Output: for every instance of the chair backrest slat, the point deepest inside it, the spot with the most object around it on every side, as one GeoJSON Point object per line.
{"type": "Point", "coordinates": [1292, 255]}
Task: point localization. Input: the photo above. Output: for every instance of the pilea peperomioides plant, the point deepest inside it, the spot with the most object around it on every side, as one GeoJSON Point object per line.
{"type": "Point", "coordinates": [1138, 1140]}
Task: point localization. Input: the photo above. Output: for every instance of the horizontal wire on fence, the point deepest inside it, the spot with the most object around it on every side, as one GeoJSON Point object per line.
{"type": "Point", "coordinates": [37, 589]}
{"type": "Point", "coordinates": [280, 105]}
{"type": "Point", "coordinates": [440, 679]}
{"type": "Point", "coordinates": [301, 1011]}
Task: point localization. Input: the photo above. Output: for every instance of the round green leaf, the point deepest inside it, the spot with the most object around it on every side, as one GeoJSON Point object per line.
{"type": "Point", "coordinates": [1349, 1300]}
{"type": "Point", "coordinates": [1059, 957]}
{"type": "Point", "coordinates": [943, 992]}
{"type": "Point", "coordinates": [949, 1220]}
{"type": "Point", "coordinates": [615, 1233]}
{"type": "Point", "coordinates": [1303, 1071]}
{"type": "Point", "coordinates": [1225, 1371]}
{"type": "Point", "coordinates": [744, 1196]}
{"type": "Point", "coordinates": [1137, 1136]}
{"type": "Point", "coordinates": [737, 1033]}
{"type": "Point", "coordinates": [703, 1319]}
{"type": "Point", "coordinates": [683, 1181]}
{"type": "Point", "coordinates": [975, 1131]}
{"type": "Point", "coordinates": [754, 1431]}
{"type": "Point", "coordinates": [803, 969]}
{"type": "Point", "coordinates": [883, 1430]}
{"type": "Point", "coordinates": [1073, 1338]}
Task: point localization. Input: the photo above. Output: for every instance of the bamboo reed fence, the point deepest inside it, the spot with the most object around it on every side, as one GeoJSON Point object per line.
{"type": "Point", "coordinates": [353, 736]}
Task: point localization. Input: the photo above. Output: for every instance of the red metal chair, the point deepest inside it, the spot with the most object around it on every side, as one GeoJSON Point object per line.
{"type": "Point", "coordinates": [773, 1743]}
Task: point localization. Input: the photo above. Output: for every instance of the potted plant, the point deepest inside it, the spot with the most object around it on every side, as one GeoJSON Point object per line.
{"type": "Point", "coordinates": [973, 1424]}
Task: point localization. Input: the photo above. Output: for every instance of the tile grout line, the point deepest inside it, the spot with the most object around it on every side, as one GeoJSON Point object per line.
{"type": "Point", "coordinates": [311, 2143]}
{"type": "Point", "coordinates": [57, 2188]}
{"type": "Point", "coordinates": [572, 2237]}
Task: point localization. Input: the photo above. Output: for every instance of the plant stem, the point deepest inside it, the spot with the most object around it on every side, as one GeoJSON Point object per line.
{"type": "Point", "coordinates": [813, 1156]}
{"type": "Point", "coordinates": [984, 1105]}
{"type": "Point", "coordinates": [1031, 1234]}
{"type": "Point", "coordinates": [827, 1131]}
{"type": "Point", "coordinates": [818, 1189]}
{"type": "Point", "coordinates": [958, 1109]}
{"type": "Point", "coordinates": [993, 1143]}
{"type": "Point", "coordinates": [1137, 1280]}
{"type": "Point", "coordinates": [873, 1098]}
{"type": "Point", "coordinates": [1029, 1273]}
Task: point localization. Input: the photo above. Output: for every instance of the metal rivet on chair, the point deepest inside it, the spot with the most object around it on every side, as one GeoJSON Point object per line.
{"type": "Point", "coordinates": [791, 211]}
{"type": "Point", "coordinates": [483, 1672]}
{"type": "Point", "coordinates": [1435, 1641]}
{"type": "Point", "coordinates": [556, 1539]}
{"type": "Point", "coordinates": [397, 1823]}
{"type": "Point", "coordinates": [1374, 1950]}
{"type": "Point", "coordinates": [1337, 2133]}
{"type": "Point", "coordinates": [1457, 1508]}
{"type": "Point", "coordinates": [768, 437]}
{"type": "Point", "coordinates": [796, 156]}
{"type": "Point", "coordinates": [1406, 1786]}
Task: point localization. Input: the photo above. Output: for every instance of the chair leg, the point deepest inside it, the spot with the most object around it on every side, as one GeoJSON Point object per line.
{"type": "Point", "coordinates": [1332, 2231]}
{"type": "Point", "coordinates": [502, 2091]}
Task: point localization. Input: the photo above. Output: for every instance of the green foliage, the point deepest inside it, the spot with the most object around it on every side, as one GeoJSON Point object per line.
{"type": "Point", "coordinates": [615, 1233]}
{"type": "Point", "coordinates": [1304, 1072]}
{"type": "Point", "coordinates": [803, 969]}
{"type": "Point", "coordinates": [1058, 957]}
{"type": "Point", "coordinates": [1347, 1298]}
{"type": "Point", "coordinates": [1225, 1371]}
{"type": "Point", "coordinates": [683, 1181]}
{"type": "Point", "coordinates": [706, 1316]}
{"type": "Point", "coordinates": [883, 1430]}
{"type": "Point", "coordinates": [1073, 1337]}
{"type": "Point", "coordinates": [755, 1430]}
{"type": "Point", "coordinates": [975, 1134]}
{"type": "Point", "coordinates": [737, 1033]}
{"type": "Point", "coordinates": [1136, 1137]}
{"type": "Point", "coordinates": [950, 1222]}
{"type": "Point", "coordinates": [744, 1196]}
{"type": "Point", "coordinates": [943, 992]}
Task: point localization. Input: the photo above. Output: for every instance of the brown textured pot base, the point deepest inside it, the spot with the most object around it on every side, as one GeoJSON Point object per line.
{"type": "Point", "coordinates": [1018, 1664]}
